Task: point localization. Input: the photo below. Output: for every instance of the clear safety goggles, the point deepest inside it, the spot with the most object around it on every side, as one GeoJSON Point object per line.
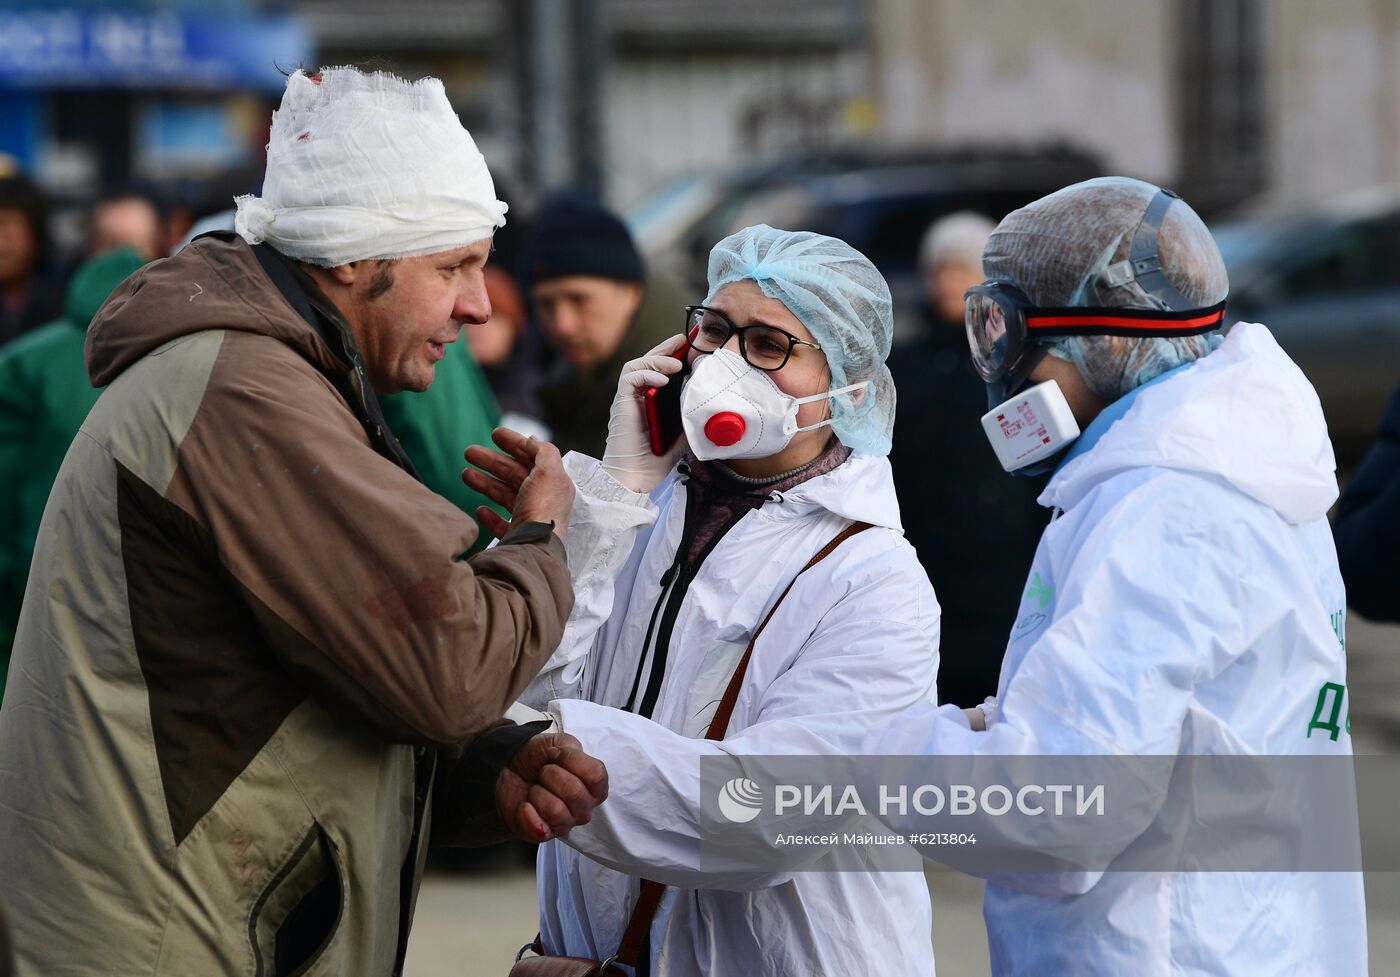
{"type": "Point", "coordinates": [1005, 328]}
{"type": "Point", "coordinates": [1008, 332]}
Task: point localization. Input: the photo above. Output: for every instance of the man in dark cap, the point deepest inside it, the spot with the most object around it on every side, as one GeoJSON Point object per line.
{"type": "Point", "coordinates": [590, 293]}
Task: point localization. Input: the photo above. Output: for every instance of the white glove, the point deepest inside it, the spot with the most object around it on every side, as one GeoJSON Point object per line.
{"type": "Point", "coordinates": [628, 456]}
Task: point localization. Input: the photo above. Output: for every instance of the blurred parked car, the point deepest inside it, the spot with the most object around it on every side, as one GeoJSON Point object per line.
{"type": "Point", "coordinates": [1326, 281]}
{"type": "Point", "coordinates": [880, 202]}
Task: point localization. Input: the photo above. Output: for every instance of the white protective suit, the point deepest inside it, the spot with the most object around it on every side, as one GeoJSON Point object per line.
{"type": "Point", "coordinates": [853, 644]}
{"type": "Point", "coordinates": [1185, 599]}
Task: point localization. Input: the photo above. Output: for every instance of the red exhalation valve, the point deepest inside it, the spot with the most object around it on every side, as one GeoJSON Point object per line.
{"type": "Point", "coordinates": [725, 428]}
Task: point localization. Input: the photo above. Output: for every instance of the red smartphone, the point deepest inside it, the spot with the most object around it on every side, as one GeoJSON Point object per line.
{"type": "Point", "coordinates": [662, 406]}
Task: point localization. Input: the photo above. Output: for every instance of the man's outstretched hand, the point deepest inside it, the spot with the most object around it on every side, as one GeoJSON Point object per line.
{"type": "Point", "coordinates": [550, 787]}
{"type": "Point", "coordinates": [528, 480]}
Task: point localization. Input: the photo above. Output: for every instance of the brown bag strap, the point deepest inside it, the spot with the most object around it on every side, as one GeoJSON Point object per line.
{"type": "Point", "coordinates": [649, 898]}
{"type": "Point", "coordinates": [720, 723]}
{"type": "Point", "coordinates": [648, 901]}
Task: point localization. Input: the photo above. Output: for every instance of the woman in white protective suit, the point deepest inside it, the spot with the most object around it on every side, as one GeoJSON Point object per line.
{"type": "Point", "coordinates": [787, 414]}
{"type": "Point", "coordinates": [1184, 599]}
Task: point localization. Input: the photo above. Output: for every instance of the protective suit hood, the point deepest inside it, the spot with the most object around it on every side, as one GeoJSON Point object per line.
{"type": "Point", "coordinates": [1244, 413]}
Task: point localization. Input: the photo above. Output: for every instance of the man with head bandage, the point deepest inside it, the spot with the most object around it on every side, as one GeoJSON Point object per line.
{"type": "Point", "coordinates": [254, 674]}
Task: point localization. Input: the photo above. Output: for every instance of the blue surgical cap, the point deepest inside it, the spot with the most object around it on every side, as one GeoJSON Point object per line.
{"type": "Point", "coordinates": [843, 301]}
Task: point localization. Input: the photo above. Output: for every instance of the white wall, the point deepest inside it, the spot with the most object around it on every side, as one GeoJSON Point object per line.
{"type": "Point", "coordinates": [1333, 88]}
{"type": "Point", "coordinates": [1103, 74]}
{"type": "Point", "coordinates": [670, 115]}
{"type": "Point", "coordinates": [1096, 74]}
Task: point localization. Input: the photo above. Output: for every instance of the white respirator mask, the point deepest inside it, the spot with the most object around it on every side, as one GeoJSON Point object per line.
{"type": "Point", "coordinates": [730, 409]}
{"type": "Point", "coordinates": [1030, 427]}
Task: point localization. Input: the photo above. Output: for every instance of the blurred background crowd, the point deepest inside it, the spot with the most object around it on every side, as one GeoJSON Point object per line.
{"type": "Point", "coordinates": [629, 136]}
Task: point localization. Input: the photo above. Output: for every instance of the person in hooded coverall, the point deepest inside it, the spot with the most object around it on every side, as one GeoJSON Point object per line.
{"type": "Point", "coordinates": [1185, 598]}
{"type": "Point", "coordinates": [45, 396]}
{"type": "Point", "coordinates": [675, 565]}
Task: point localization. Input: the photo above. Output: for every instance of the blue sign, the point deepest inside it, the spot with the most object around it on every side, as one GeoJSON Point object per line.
{"type": "Point", "coordinates": [93, 49]}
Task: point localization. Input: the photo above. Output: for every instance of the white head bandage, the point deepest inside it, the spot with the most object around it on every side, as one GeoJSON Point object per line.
{"type": "Point", "coordinates": [369, 166]}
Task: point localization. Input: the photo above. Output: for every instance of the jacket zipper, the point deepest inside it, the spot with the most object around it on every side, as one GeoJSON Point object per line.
{"type": "Point", "coordinates": [675, 585]}
{"type": "Point", "coordinates": [353, 385]}
{"type": "Point", "coordinates": [667, 578]}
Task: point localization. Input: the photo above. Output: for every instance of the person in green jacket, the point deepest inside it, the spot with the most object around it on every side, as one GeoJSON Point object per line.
{"type": "Point", "coordinates": [436, 426]}
{"type": "Point", "coordinates": [45, 396]}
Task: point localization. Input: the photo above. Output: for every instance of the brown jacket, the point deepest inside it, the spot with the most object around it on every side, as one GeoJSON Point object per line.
{"type": "Point", "coordinates": [248, 642]}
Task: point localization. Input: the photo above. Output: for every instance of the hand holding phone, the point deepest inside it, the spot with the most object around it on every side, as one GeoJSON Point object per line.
{"type": "Point", "coordinates": [662, 408]}
{"type": "Point", "coordinates": [646, 417]}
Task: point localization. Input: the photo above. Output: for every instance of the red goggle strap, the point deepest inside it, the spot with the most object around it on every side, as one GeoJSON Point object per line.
{"type": "Point", "coordinates": [1146, 323]}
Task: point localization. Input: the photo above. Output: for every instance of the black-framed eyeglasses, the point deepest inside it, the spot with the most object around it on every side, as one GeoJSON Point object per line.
{"type": "Point", "coordinates": [762, 347]}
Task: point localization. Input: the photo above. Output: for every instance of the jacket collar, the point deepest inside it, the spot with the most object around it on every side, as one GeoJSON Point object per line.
{"type": "Point", "coordinates": [306, 298]}
{"type": "Point", "coordinates": [860, 489]}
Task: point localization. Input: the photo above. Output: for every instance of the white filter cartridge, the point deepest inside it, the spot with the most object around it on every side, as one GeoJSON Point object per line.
{"type": "Point", "coordinates": [1031, 426]}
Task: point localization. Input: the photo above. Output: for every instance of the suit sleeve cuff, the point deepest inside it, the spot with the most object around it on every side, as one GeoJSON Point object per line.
{"type": "Point", "coordinates": [529, 532]}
